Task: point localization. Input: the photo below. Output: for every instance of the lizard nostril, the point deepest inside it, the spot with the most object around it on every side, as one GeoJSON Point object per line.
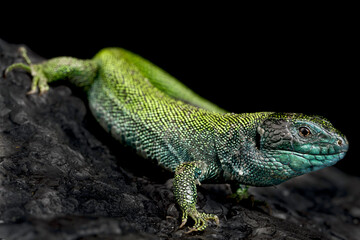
{"type": "Point", "coordinates": [340, 142]}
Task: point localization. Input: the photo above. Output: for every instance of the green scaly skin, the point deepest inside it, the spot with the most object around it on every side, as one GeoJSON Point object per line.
{"type": "Point", "coordinates": [145, 108]}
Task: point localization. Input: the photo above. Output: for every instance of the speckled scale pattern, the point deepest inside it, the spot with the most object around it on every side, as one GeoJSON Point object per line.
{"type": "Point", "coordinates": [144, 107]}
{"type": "Point", "coordinates": [165, 82]}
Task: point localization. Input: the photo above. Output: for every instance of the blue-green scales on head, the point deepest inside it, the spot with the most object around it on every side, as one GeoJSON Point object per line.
{"type": "Point", "coordinates": [145, 108]}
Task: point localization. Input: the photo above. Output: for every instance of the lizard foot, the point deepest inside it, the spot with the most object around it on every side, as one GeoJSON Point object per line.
{"type": "Point", "coordinates": [199, 218]}
{"type": "Point", "coordinates": [241, 194]}
{"type": "Point", "coordinates": [39, 81]}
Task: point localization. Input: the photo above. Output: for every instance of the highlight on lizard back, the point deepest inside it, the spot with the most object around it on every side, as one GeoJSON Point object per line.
{"type": "Point", "coordinates": [147, 109]}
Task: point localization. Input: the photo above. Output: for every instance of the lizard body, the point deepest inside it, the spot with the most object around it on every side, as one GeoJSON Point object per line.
{"type": "Point", "coordinates": [145, 108]}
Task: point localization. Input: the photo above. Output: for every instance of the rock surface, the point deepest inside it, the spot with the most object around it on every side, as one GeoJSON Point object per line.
{"type": "Point", "coordinates": [62, 177]}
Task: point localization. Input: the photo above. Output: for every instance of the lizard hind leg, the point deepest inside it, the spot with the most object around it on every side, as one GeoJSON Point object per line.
{"type": "Point", "coordinates": [39, 79]}
{"type": "Point", "coordinates": [17, 66]}
{"type": "Point", "coordinates": [27, 67]}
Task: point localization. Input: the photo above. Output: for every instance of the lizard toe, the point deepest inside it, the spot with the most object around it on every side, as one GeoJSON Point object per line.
{"type": "Point", "coordinates": [201, 219]}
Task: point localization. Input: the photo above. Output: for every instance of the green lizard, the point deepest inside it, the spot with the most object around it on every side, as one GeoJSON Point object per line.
{"type": "Point", "coordinates": [145, 108]}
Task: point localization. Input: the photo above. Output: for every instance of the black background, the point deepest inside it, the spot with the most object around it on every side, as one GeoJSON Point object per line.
{"type": "Point", "coordinates": [245, 60]}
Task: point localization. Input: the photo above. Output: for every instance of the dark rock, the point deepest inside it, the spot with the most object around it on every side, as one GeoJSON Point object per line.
{"type": "Point", "coordinates": [62, 177]}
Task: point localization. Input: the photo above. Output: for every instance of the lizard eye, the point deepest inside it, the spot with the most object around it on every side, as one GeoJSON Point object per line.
{"type": "Point", "coordinates": [304, 132]}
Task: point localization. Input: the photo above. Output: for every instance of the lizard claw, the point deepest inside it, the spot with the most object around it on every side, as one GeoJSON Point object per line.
{"type": "Point", "coordinates": [200, 219]}
{"type": "Point", "coordinates": [27, 67]}
{"type": "Point", "coordinates": [39, 81]}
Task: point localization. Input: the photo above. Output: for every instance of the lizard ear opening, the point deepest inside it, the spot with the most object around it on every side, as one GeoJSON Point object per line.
{"type": "Point", "coordinates": [258, 135]}
{"type": "Point", "coordinates": [257, 140]}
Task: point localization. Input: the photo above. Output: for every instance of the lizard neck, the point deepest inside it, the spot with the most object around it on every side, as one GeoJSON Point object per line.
{"type": "Point", "coordinates": [240, 157]}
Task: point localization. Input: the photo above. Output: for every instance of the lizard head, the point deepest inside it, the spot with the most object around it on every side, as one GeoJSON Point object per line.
{"type": "Point", "coordinates": [296, 143]}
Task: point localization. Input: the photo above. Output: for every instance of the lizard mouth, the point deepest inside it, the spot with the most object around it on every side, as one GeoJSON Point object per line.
{"type": "Point", "coordinates": [320, 157]}
{"type": "Point", "coordinates": [320, 161]}
{"type": "Point", "coordinates": [310, 156]}
{"type": "Point", "coordinates": [306, 162]}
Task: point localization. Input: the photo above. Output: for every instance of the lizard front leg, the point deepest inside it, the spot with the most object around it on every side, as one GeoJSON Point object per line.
{"type": "Point", "coordinates": [186, 177]}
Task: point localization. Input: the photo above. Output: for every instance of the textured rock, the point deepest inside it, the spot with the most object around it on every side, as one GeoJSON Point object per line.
{"type": "Point", "coordinates": [62, 177]}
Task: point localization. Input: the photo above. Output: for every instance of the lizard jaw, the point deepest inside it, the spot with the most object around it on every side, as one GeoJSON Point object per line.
{"type": "Point", "coordinates": [301, 163]}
